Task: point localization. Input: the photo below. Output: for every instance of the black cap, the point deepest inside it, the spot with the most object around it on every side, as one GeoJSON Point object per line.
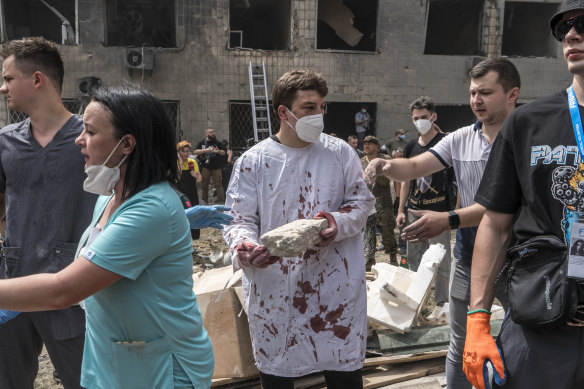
{"type": "Point", "coordinates": [567, 5]}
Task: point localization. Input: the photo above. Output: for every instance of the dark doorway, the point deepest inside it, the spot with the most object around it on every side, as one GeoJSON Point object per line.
{"type": "Point", "coordinates": [340, 118]}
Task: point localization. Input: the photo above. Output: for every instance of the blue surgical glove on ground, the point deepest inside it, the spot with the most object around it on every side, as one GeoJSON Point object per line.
{"type": "Point", "coordinates": [7, 315]}
{"type": "Point", "coordinates": [204, 216]}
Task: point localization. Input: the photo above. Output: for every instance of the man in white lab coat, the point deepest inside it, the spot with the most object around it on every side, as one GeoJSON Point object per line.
{"type": "Point", "coordinates": [307, 313]}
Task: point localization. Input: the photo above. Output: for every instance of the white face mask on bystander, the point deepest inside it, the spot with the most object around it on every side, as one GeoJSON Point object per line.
{"type": "Point", "coordinates": [102, 179]}
{"type": "Point", "coordinates": [423, 126]}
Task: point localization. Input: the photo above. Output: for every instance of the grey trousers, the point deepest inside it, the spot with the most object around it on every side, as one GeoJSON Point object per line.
{"type": "Point", "coordinates": [21, 342]}
{"type": "Point", "coordinates": [458, 308]}
{"type": "Point", "coordinates": [415, 252]}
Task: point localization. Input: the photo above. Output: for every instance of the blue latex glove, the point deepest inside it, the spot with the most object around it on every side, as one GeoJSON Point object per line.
{"type": "Point", "coordinates": [7, 315]}
{"type": "Point", "coordinates": [203, 216]}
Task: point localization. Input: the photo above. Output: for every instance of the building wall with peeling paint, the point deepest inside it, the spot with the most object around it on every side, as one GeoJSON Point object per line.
{"type": "Point", "coordinates": [204, 75]}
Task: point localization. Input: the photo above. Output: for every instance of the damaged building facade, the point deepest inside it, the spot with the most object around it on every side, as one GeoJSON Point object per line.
{"type": "Point", "coordinates": [194, 54]}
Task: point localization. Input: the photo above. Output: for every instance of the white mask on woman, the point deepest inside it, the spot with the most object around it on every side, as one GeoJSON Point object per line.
{"type": "Point", "coordinates": [102, 179]}
{"type": "Point", "coordinates": [423, 126]}
{"type": "Point", "coordinates": [308, 128]}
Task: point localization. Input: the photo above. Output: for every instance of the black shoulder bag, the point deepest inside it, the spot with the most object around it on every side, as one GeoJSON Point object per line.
{"type": "Point", "coordinates": [540, 292]}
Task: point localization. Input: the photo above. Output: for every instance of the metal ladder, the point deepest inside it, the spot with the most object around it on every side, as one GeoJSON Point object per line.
{"type": "Point", "coordinates": [260, 107]}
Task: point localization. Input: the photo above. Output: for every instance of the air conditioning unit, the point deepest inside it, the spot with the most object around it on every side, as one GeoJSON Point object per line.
{"type": "Point", "coordinates": [86, 84]}
{"type": "Point", "coordinates": [139, 58]}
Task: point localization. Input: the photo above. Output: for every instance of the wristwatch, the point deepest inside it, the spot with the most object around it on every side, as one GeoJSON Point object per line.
{"type": "Point", "coordinates": [453, 220]}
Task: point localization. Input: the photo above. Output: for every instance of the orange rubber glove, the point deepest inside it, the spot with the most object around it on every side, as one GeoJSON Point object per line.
{"type": "Point", "coordinates": [479, 350]}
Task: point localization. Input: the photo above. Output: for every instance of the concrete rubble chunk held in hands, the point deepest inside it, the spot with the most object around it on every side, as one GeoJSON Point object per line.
{"type": "Point", "coordinates": [292, 239]}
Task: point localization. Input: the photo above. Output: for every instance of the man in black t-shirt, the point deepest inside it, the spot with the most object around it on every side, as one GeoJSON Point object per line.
{"type": "Point", "coordinates": [532, 185]}
{"type": "Point", "coordinates": [211, 155]}
{"type": "Point", "coordinates": [426, 193]}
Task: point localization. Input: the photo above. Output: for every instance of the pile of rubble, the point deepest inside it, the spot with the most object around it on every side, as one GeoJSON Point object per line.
{"type": "Point", "coordinates": [399, 350]}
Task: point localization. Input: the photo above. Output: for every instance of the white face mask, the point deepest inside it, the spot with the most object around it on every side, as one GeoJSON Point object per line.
{"type": "Point", "coordinates": [423, 126]}
{"type": "Point", "coordinates": [102, 179]}
{"type": "Point", "coordinates": [308, 128]}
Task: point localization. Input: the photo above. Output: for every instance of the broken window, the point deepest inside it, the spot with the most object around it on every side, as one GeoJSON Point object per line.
{"type": "Point", "coordinates": [141, 23]}
{"type": "Point", "coordinates": [241, 124]}
{"type": "Point", "coordinates": [51, 19]}
{"type": "Point", "coordinates": [259, 24]}
{"type": "Point", "coordinates": [453, 27]}
{"type": "Point", "coordinates": [347, 25]}
{"type": "Point", "coordinates": [525, 33]}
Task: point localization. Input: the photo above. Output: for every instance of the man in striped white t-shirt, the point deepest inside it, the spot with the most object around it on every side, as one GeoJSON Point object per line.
{"type": "Point", "coordinates": [494, 90]}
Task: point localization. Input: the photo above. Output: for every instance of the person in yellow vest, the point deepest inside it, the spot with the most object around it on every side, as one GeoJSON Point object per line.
{"type": "Point", "coordinates": [189, 175]}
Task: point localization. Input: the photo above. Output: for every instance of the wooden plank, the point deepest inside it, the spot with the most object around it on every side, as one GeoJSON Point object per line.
{"type": "Point", "coordinates": [243, 382]}
{"type": "Point", "coordinates": [432, 384]}
{"type": "Point", "coordinates": [404, 372]}
{"type": "Point", "coordinates": [437, 381]}
{"type": "Point", "coordinates": [393, 359]}
{"type": "Point", "coordinates": [309, 381]}
{"type": "Point", "coordinates": [382, 376]}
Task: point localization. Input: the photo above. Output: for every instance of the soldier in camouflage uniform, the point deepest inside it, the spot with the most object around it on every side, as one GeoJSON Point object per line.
{"type": "Point", "coordinates": [382, 214]}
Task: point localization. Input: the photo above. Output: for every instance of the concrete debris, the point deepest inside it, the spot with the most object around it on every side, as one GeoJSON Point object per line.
{"type": "Point", "coordinates": [215, 259]}
{"type": "Point", "coordinates": [216, 254]}
{"type": "Point", "coordinates": [396, 296]}
{"type": "Point", "coordinates": [227, 258]}
{"type": "Point", "coordinates": [293, 239]}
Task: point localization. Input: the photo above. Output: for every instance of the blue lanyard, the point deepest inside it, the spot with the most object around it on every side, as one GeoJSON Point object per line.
{"type": "Point", "coordinates": [576, 119]}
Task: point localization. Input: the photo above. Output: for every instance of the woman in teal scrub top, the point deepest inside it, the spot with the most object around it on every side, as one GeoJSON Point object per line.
{"type": "Point", "coordinates": [134, 265]}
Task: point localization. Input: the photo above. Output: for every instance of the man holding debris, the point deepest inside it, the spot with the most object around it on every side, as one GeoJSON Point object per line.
{"type": "Point", "coordinates": [306, 313]}
{"type": "Point", "coordinates": [382, 214]}
{"type": "Point", "coordinates": [494, 89]}
{"type": "Point", "coordinates": [532, 189]}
